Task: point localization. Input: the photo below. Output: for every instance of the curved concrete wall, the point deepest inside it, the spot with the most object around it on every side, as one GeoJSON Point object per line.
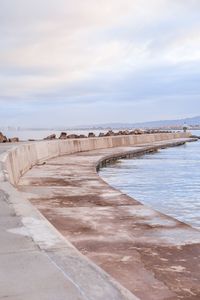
{"type": "Point", "coordinates": [21, 158]}
{"type": "Point", "coordinates": [60, 253]}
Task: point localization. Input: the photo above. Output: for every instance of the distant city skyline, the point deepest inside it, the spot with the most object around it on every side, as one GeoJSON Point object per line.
{"type": "Point", "coordinates": [69, 63]}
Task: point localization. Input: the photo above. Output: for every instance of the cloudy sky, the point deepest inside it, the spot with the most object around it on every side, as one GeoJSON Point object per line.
{"type": "Point", "coordinates": [77, 62]}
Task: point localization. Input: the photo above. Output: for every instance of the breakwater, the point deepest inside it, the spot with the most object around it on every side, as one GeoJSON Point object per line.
{"type": "Point", "coordinates": [66, 192]}
{"type": "Point", "coordinates": [23, 157]}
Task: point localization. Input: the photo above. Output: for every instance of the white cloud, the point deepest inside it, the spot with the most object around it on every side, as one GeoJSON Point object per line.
{"type": "Point", "coordinates": [65, 48]}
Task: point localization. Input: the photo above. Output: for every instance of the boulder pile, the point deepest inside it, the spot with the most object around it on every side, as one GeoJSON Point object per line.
{"type": "Point", "coordinates": [13, 140]}
{"type": "Point", "coordinates": [64, 135]}
{"type": "Point", "coordinates": [4, 139]}
{"type": "Point", "coordinates": [50, 137]}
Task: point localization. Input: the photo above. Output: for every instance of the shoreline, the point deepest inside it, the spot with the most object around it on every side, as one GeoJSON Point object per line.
{"type": "Point", "coordinates": [130, 192]}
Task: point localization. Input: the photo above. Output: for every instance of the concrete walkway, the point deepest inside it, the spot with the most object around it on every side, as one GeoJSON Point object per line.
{"type": "Point", "coordinates": [37, 263]}
{"type": "Point", "coordinates": [150, 254]}
{"type": "Point", "coordinates": [25, 271]}
{"type": "Point", "coordinates": [28, 272]}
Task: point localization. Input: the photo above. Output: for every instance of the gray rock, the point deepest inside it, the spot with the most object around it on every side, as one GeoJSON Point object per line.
{"type": "Point", "coordinates": [50, 137]}
{"type": "Point", "coordinates": [13, 140]}
{"type": "Point", "coordinates": [101, 134]}
{"type": "Point", "coordinates": [91, 134]}
{"type": "Point", "coordinates": [3, 138]}
{"type": "Point", "coordinates": [63, 136]}
{"type": "Point", "coordinates": [110, 133]}
{"type": "Point", "coordinates": [72, 136]}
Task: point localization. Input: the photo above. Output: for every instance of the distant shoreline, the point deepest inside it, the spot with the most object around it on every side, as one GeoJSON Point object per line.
{"type": "Point", "coordinates": [7, 129]}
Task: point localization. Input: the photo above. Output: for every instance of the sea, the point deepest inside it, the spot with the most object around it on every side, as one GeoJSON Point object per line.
{"type": "Point", "coordinates": [168, 180]}
{"type": "Point", "coordinates": [25, 135]}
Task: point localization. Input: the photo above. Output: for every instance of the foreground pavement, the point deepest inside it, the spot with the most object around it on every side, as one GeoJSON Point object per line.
{"type": "Point", "coordinates": [37, 263]}
{"type": "Point", "coordinates": [150, 254]}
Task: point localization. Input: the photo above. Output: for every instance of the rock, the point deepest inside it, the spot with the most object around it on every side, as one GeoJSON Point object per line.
{"type": "Point", "coordinates": [101, 134]}
{"type": "Point", "coordinates": [140, 131]}
{"type": "Point", "coordinates": [148, 131]}
{"type": "Point", "coordinates": [13, 140]}
{"type": "Point", "coordinates": [137, 131]}
{"type": "Point", "coordinates": [121, 132]}
{"type": "Point", "coordinates": [91, 134]}
{"type": "Point", "coordinates": [110, 133]}
{"type": "Point", "coordinates": [63, 136]}
{"type": "Point", "coordinates": [132, 132]}
{"type": "Point", "coordinates": [82, 136]}
{"type": "Point", "coordinates": [3, 138]}
{"type": "Point", "coordinates": [126, 132]}
{"type": "Point", "coordinates": [116, 134]}
{"type": "Point", "coordinates": [72, 136]}
{"type": "Point", "coordinates": [50, 137]}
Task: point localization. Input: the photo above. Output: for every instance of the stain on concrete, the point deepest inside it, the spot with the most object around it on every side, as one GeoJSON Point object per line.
{"type": "Point", "coordinates": [152, 255]}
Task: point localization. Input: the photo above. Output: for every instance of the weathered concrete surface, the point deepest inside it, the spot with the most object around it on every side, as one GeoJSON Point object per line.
{"type": "Point", "coordinates": [152, 255]}
{"type": "Point", "coordinates": [36, 262]}
{"type": "Point", "coordinates": [25, 271]}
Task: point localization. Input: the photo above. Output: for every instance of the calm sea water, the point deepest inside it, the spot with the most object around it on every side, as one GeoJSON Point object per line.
{"type": "Point", "coordinates": [24, 135]}
{"type": "Point", "coordinates": [168, 181]}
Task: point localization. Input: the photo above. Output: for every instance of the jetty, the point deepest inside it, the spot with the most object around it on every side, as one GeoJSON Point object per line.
{"type": "Point", "coordinates": [67, 234]}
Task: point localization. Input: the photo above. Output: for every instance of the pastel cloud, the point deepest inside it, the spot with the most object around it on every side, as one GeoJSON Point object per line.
{"type": "Point", "coordinates": [98, 55]}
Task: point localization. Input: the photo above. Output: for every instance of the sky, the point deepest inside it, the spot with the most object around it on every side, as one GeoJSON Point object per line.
{"type": "Point", "coordinates": [68, 63]}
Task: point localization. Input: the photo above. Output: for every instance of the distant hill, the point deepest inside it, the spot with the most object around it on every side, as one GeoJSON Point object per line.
{"type": "Point", "coordinates": [170, 123]}
{"type": "Point", "coordinates": [176, 124]}
{"type": "Point", "coordinates": [195, 121]}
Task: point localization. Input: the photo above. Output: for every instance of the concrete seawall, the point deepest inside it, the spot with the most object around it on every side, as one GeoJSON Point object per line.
{"type": "Point", "coordinates": [21, 158]}
{"type": "Point", "coordinates": [76, 276]}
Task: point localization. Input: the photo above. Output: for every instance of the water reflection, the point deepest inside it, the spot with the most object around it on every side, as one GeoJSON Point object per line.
{"type": "Point", "coordinates": [169, 181]}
